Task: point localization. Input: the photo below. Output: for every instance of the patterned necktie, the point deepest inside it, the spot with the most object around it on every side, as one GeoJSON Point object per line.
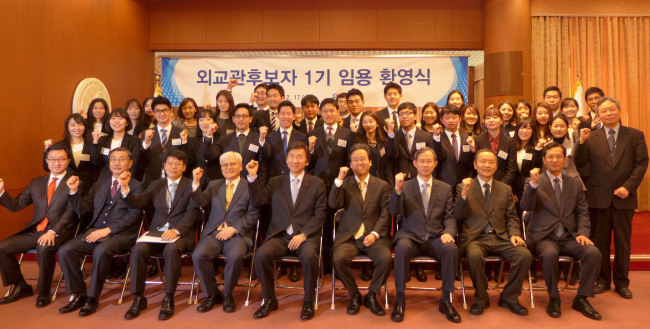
{"type": "Point", "coordinates": [558, 195]}
{"type": "Point", "coordinates": [284, 142]}
{"type": "Point", "coordinates": [50, 192]}
{"type": "Point", "coordinates": [164, 136]}
{"type": "Point", "coordinates": [229, 193]}
{"type": "Point", "coordinates": [241, 141]}
{"type": "Point", "coordinates": [488, 228]}
{"type": "Point", "coordinates": [395, 120]}
{"type": "Point", "coordinates": [454, 145]}
{"type": "Point", "coordinates": [114, 189]}
{"type": "Point", "coordinates": [274, 120]}
{"type": "Point", "coordinates": [310, 127]}
{"type": "Point", "coordinates": [409, 143]}
{"type": "Point", "coordinates": [330, 138]}
{"type": "Point", "coordinates": [362, 228]}
{"type": "Point", "coordinates": [425, 197]}
{"type": "Point", "coordinates": [612, 142]}
{"type": "Point", "coordinates": [170, 196]}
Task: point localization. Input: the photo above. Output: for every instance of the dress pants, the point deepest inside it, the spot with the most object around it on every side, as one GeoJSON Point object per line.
{"type": "Point", "coordinates": [276, 247]}
{"type": "Point", "coordinates": [172, 254]}
{"type": "Point", "coordinates": [519, 258]}
{"type": "Point", "coordinates": [207, 251]}
{"type": "Point", "coordinates": [619, 220]}
{"type": "Point", "coordinates": [379, 253]}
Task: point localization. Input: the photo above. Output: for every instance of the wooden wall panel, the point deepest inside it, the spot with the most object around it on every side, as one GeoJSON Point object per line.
{"type": "Point", "coordinates": [163, 27]}
{"type": "Point", "coordinates": [290, 26]}
{"type": "Point", "coordinates": [406, 25]}
{"type": "Point", "coordinates": [355, 26]}
{"type": "Point", "coordinates": [234, 26]}
{"type": "Point", "coordinates": [190, 27]}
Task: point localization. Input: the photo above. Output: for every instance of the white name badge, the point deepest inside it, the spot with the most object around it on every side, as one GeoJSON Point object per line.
{"type": "Point", "coordinates": [528, 156]}
{"type": "Point", "coordinates": [382, 152]}
{"type": "Point", "coordinates": [85, 157]}
{"type": "Point", "coordinates": [253, 148]}
{"type": "Point", "coordinates": [512, 133]}
{"type": "Point", "coordinates": [342, 143]}
{"type": "Point", "coordinates": [420, 145]}
{"type": "Point", "coordinates": [466, 148]}
{"type": "Point", "coordinates": [105, 151]}
{"type": "Point", "coordinates": [503, 155]}
{"type": "Point", "coordinates": [228, 131]}
{"type": "Point", "coordinates": [176, 141]}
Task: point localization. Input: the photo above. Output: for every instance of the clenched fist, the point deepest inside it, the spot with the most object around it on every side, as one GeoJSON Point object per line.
{"type": "Point", "coordinates": [343, 171]}
{"type": "Point", "coordinates": [534, 176]}
{"type": "Point", "coordinates": [73, 184]}
{"type": "Point", "coordinates": [399, 180]}
{"type": "Point", "coordinates": [312, 143]}
{"type": "Point", "coordinates": [47, 143]}
{"type": "Point", "coordinates": [251, 167]}
{"type": "Point", "coordinates": [197, 173]}
{"type": "Point", "coordinates": [263, 131]}
{"type": "Point", "coordinates": [466, 183]}
{"type": "Point", "coordinates": [584, 134]}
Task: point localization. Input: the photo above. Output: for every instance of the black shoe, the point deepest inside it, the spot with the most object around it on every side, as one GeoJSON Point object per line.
{"type": "Point", "coordinates": [366, 273]}
{"type": "Point", "coordinates": [90, 306]}
{"type": "Point", "coordinates": [307, 312]}
{"type": "Point", "coordinates": [599, 288]}
{"type": "Point", "coordinates": [553, 307]}
{"type": "Point", "coordinates": [478, 308]}
{"type": "Point", "coordinates": [624, 292]}
{"type": "Point", "coordinates": [139, 304]}
{"type": "Point", "coordinates": [420, 274]}
{"type": "Point", "coordinates": [229, 305]}
{"type": "Point", "coordinates": [514, 307]}
{"type": "Point", "coordinates": [398, 311]}
{"type": "Point", "coordinates": [581, 304]}
{"type": "Point", "coordinates": [355, 304]}
{"type": "Point", "coordinates": [269, 305]}
{"type": "Point", "coordinates": [438, 275]}
{"type": "Point", "coordinates": [210, 302]}
{"type": "Point", "coordinates": [294, 275]}
{"type": "Point", "coordinates": [167, 308]}
{"type": "Point", "coordinates": [43, 299]}
{"type": "Point", "coordinates": [282, 270]}
{"type": "Point", "coordinates": [370, 301]}
{"type": "Point", "coordinates": [75, 304]}
{"type": "Point", "coordinates": [21, 290]}
{"type": "Point", "coordinates": [448, 309]}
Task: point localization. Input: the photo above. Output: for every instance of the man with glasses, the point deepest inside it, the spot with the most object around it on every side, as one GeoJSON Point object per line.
{"type": "Point", "coordinates": [52, 225]}
{"type": "Point", "coordinates": [112, 230]}
{"type": "Point", "coordinates": [408, 139]}
{"type": "Point", "coordinates": [355, 106]}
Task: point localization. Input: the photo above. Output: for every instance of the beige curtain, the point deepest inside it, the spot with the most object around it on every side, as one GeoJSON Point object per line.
{"type": "Point", "coordinates": [609, 52]}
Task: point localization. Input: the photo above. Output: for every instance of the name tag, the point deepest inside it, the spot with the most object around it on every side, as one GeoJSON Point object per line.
{"type": "Point", "coordinates": [105, 151]}
{"type": "Point", "coordinates": [176, 141]}
{"type": "Point", "coordinates": [466, 148]}
{"type": "Point", "coordinates": [528, 156]}
{"type": "Point", "coordinates": [512, 133]}
{"type": "Point", "coordinates": [253, 148]}
{"type": "Point", "coordinates": [382, 152]}
{"type": "Point", "coordinates": [342, 143]}
{"type": "Point", "coordinates": [420, 145]}
{"type": "Point", "coordinates": [228, 131]}
{"type": "Point", "coordinates": [503, 155]}
{"type": "Point", "coordinates": [85, 157]}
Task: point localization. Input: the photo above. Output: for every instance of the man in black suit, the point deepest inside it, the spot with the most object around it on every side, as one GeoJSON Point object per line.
{"type": "Point", "coordinates": [258, 97]}
{"type": "Point", "coordinates": [392, 95]}
{"type": "Point", "coordinates": [363, 227]}
{"type": "Point", "coordinates": [553, 96]}
{"type": "Point", "coordinates": [174, 216]}
{"type": "Point", "coordinates": [559, 223]}
{"type": "Point", "coordinates": [342, 100]}
{"type": "Point", "coordinates": [408, 139]}
{"type": "Point", "coordinates": [276, 142]}
{"type": "Point", "coordinates": [230, 230]}
{"type": "Point", "coordinates": [269, 118]}
{"type": "Point", "coordinates": [298, 203]}
{"type": "Point", "coordinates": [486, 210]}
{"type": "Point", "coordinates": [311, 119]}
{"type": "Point", "coordinates": [50, 227]}
{"type": "Point", "coordinates": [428, 227]}
{"type": "Point", "coordinates": [616, 159]}
{"type": "Point", "coordinates": [112, 230]}
{"type": "Point", "coordinates": [590, 120]}
{"type": "Point", "coordinates": [355, 105]}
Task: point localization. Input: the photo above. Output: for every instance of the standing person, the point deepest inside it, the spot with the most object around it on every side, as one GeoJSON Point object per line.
{"type": "Point", "coordinates": [430, 117]}
{"type": "Point", "coordinates": [542, 116]}
{"type": "Point", "coordinates": [470, 121]}
{"type": "Point", "coordinates": [342, 100]}
{"type": "Point", "coordinates": [205, 135]}
{"type": "Point", "coordinates": [456, 98]}
{"type": "Point", "coordinates": [501, 145]}
{"type": "Point", "coordinates": [118, 124]}
{"type": "Point", "coordinates": [225, 107]}
{"type": "Point", "coordinates": [268, 118]}
{"type": "Point", "coordinates": [381, 146]}
{"type": "Point", "coordinates": [277, 142]}
{"type": "Point", "coordinates": [552, 97]}
{"type": "Point", "coordinates": [509, 119]}
{"type": "Point", "coordinates": [356, 107]}
{"type": "Point", "coordinates": [187, 116]}
{"type": "Point", "coordinates": [523, 109]}
{"type": "Point", "coordinates": [258, 98]}
{"type": "Point", "coordinates": [137, 116]}
{"type": "Point", "coordinates": [616, 158]}
{"type": "Point", "coordinates": [148, 111]}
{"type": "Point", "coordinates": [570, 109]}
{"type": "Point", "coordinates": [408, 139]}
{"type": "Point", "coordinates": [393, 97]}
{"type": "Point", "coordinates": [560, 132]}
{"type": "Point", "coordinates": [97, 113]}
{"type": "Point", "coordinates": [590, 120]}
{"type": "Point", "coordinates": [311, 119]}
{"type": "Point", "coordinates": [529, 156]}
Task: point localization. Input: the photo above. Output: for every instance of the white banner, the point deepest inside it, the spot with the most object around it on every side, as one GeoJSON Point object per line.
{"type": "Point", "coordinates": [423, 78]}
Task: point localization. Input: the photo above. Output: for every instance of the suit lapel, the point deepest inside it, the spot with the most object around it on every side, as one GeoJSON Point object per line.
{"type": "Point", "coordinates": [494, 195]}
{"type": "Point", "coordinates": [286, 188]}
{"type": "Point", "coordinates": [432, 198]}
{"type": "Point", "coordinates": [621, 142]}
{"type": "Point", "coordinates": [546, 184]}
{"type": "Point", "coordinates": [222, 201]}
{"type": "Point", "coordinates": [238, 193]}
{"type": "Point", "coordinates": [477, 191]}
{"type": "Point", "coordinates": [601, 141]}
{"type": "Point", "coordinates": [418, 194]}
{"type": "Point", "coordinates": [181, 189]}
{"type": "Point", "coordinates": [303, 189]}
{"type": "Point", "coordinates": [59, 192]}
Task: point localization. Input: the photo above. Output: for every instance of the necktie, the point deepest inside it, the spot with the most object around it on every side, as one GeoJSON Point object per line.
{"type": "Point", "coordinates": [362, 188]}
{"type": "Point", "coordinates": [310, 127]}
{"type": "Point", "coordinates": [395, 120]}
{"type": "Point", "coordinates": [488, 228]}
{"type": "Point", "coordinates": [425, 197]}
{"type": "Point", "coordinates": [284, 142]}
{"type": "Point", "coordinates": [409, 142]}
{"type": "Point", "coordinates": [329, 131]}
{"type": "Point", "coordinates": [164, 136]}
{"type": "Point", "coordinates": [612, 142]}
{"type": "Point", "coordinates": [558, 195]}
{"type": "Point", "coordinates": [229, 192]}
{"type": "Point", "coordinates": [50, 192]}
{"type": "Point", "coordinates": [295, 187]}
{"type": "Point", "coordinates": [114, 189]}
{"type": "Point", "coordinates": [170, 196]}
{"type": "Point", "coordinates": [274, 120]}
{"type": "Point", "coordinates": [330, 138]}
{"type": "Point", "coordinates": [454, 145]}
{"type": "Point", "coordinates": [241, 140]}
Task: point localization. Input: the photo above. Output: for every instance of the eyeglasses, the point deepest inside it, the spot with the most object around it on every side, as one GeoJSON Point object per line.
{"type": "Point", "coordinates": [57, 160]}
{"type": "Point", "coordinates": [405, 113]}
{"type": "Point", "coordinates": [240, 116]}
{"type": "Point", "coordinates": [119, 159]}
{"type": "Point", "coordinates": [162, 111]}
{"type": "Point", "coordinates": [230, 164]}
{"type": "Point", "coordinates": [174, 164]}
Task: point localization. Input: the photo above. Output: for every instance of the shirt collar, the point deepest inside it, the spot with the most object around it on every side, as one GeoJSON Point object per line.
{"type": "Point", "coordinates": [237, 132]}
{"type": "Point", "coordinates": [551, 177]}
{"type": "Point", "coordinates": [334, 126]}
{"type": "Point", "coordinates": [168, 128]}
{"type": "Point", "coordinates": [300, 177]}
{"type": "Point", "coordinates": [366, 180]}
{"type": "Point", "coordinates": [58, 177]}
{"type": "Point", "coordinates": [235, 182]}
{"type": "Point", "coordinates": [169, 181]}
{"type": "Point", "coordinates": [615, 129]}
{"type": "Point", "coordinates": [457, 133]}
{"type": "Point", "coordinates": [288, 130]}
{"type": "Point", "coordinates": [410, 132]}
{"type": "Point", "coordinates": [420, 181]}
{"type": "Point", "coordinates": [481, 182]}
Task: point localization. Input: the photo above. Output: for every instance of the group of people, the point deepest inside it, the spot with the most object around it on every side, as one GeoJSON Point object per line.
{"type": "Point", "coordinates": [458, 184]}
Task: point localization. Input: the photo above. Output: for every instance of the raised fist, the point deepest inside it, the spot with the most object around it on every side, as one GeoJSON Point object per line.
{"type": "Point", "coordinates": [148, 135]}
{"type": "Point", "coordinates": [390, 126]}
{"type": "Point", "coordinates": [73, 184]}
{"type": "Point", "coordinates": [584, 134]}
{"type": "Point", "coordinates": [466, 183]}
{"type": "Point", "coordinates": [399, 180]}
{"type": "Point", "coordinates": [312, 143]}
{"type": "Point", "coordinates": [534, 176]}
{"type": "Point", "coordinates": [343, 171]}
{"type": "Point", "coordinates": [436, 129]}
{"type": "Point", "coordinates": [263, 131]}
{"type": "Point", "coordinates": [184, 135]}
{"type": "Point", "coordinates": [95, 134]}
{"type": "Point", "coordinates": [251, 167]}
{"type": "Point", "coordinates": [47, 143]}
{"type": "Point", "coordinates": [231, 84]}
{"type": "Point", "coordinates": [124, 179]}
{"type": "Point", "coordinates": [197, 174]}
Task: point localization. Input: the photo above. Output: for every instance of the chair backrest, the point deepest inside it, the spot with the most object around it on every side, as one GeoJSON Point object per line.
{"type": "Point", "coordinates": [337, 218]}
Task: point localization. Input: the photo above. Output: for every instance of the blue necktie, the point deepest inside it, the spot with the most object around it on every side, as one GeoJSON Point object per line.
{"type": "Point", "coordinates": [164, 136]}
{"type": "Point", "coordinates": [284, 142]}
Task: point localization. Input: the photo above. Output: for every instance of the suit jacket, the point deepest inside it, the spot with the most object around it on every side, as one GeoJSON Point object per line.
{"type": "Point", "coordinates": [59, 212]}
{"type": "Point", "coordinates": [415, 224]}
{"type": "Point", "coordinates": [372, 212]}
{"type": "Point", "coordinates": [450, 170]}
{"type": "Point", "coordinates": [252, 150]}
{"type": "Point", "coordinates": [534, 161]}
{"type": "Point", "coordinates": [274, 152]}
{"type": "Point", "coordinates": [347, 122]}
{"type": "Point", "coordinates": [627, 169]}
{"type": "Point", "coordinates": [586, 123]}
{"type": "Point", "coordinates": [263, 118]}
{"type": "Point", "coordinates": [404, 156]}
{"type": "Point", "coordinates": [547, 214]}
{"type": "Point", "coordinates": [196, 158]}
{"type": "Point", "coordinates": [506, 156]}
{"type": "Point", "coordinates": [382, 160]}
{"type": "Point", "coordinates": [324, 164]}
{"type": "Point", "coordinates": [302, 127]}
{"type": "Point", "coordinates": [181, 216]}
{"type": "Point", "coordinates": [242, 213]}
{"type": "Point", "coordinates": [99, 154]}
{"type": "Point", "coordinates": [152, 158]}
{"type": "Point", "coordinates": [123, 220]}
{"type": "Point", "coordinates": [307, 215]}
{"type": "Point", "coordinates": [86, 171]}
{"type": "Point", "coordinates": [384, 114]}
{"type": "Point", "coordinates": [474, 214]}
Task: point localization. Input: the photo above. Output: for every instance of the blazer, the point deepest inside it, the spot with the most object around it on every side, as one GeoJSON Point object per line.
{"type": "Point", "coordinates": [302, 127]}
{"type": "Point", "coordinates": [586, 123]}
{"type": "Point", "coordinates": [372, 212]}
{"type": "Point", "coordinates": [474, 214]}
{"type": "Point", "coordinates": [86, 171]}
{"type": "Point", "coordinates": [242, 213]}
{"type": "Point", "coordinates": [59, 212]}
{"type": "Point", "coordinates": [274, 152]}
{"type": "Point", "coordinates": [382, 160]}
{"type": "Point", "coordinates": [404, 157]}
{"type": "Point", "coordinates": [347, 122]}
{"type": "Point", "coordinates": [263, 118]}
{"type": "Point", "coordinates": [450, 170]}
{"type": "Point", "coordinates": [534, 161]}
{"type": "Point", "coordinates": [123, 220]}
{"type": "Point", "coordinates": [569, 166]}
{"type": "Point", "coordinates": [151, 159]}
{"type": "Point", "coordinates": [506, 156]}
{"type": "Point", "coordinates": [626, 169]}
{"type": "Point", "coordinates": [415, 224]}
{"type": "Point", "coordinates": [307, 215]}
{"type": "Point", "coordinates": [99, 154]}
{"type": "Point", "coordinates": [546, 214]}
{"type": "Point", "coordinates": [326, 165]}
{"type": "Point", "coordinates": [228, 142]}
{"type": "Point", "coordinates": [196, 158]}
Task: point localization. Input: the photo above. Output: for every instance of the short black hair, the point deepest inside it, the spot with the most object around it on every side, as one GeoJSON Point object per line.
{"type": "Point", "coordinates": [120, 113]}
{"type": "Point", "coordinates": [121, 149]}
{"type": "Point", "coordinates": [342, 95]}
{"type": "Point", "coordinates": [59, 147]}
{"type": "Point", "coordinates": [552, 88]}
{"type": "Point", "coordinates": [449, 109]}
{"type": "Point", "coordinates": [394, 86]}
{"type": "Point", "coordinates": [360, 146]}
{"type": "Point", "coordinates": [287, 103]}
{"type": "Point", "coordinates": [594, 90]}
{"type": "Point", "coordinates": [299, 146]}
{"type": "Point", "coordinates": [329, 101]}
{"type": "Point", "coordinates": [276, 87]}
{"type": "Point", "coordinates": [262, 85]}
{"type": "Point", "coordinates": [553, 145]}
{"type": "Point", "coordinates": [309, 99]}
{"type": "Point", "coordinates": [244, 105]}
{"type": "Point", "coordinates": [355, 91]}
{"type": "Point", "coordinates": [160, 100]}
{"type": "Point", "coordinates": [176, 154]}
{"type": "Point", "coordinates": [485, 150]}
{"type": "Point", "coordinates": [423, 150]}
{"type": "Point", "coordinates": [407, 106]}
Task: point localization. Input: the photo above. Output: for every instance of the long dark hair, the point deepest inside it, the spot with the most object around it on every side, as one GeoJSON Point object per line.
{"type": "Point", "coordinates": [524, 123]}
{"type": "Point", "coordinates": [380, 136]}
{"type": "Point", "coordinates": [478, 126]}
{"type": "Point", "coordinates": [78, 118]}
{"type": "Point", "coordinates": [91, 117]}
{"type": "Point", "coordinates": [435, 109]}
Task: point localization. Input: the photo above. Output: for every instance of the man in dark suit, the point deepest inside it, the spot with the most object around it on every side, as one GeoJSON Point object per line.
{"type": "Point", "coordinates": [277, 142]}
{"type": "Point", "coordinates": [50, 227]}
{"type": "Point", "coordinates": [312, 120]}
{"type": "Point", "coordinates": [363, 227]}
{"type": "Point", "coordinates": [269, 118]}
{"type": "Point", "coordinates": [298, 203]}
{"type": "Point", "coordinates": [428, 227]}
{"type": "Point", "coordinates": [590, 120]}
{"type": "Point", "coordinates": [230, 230]}
{"type": "Point", "coordinates": [559, 224]}
{"type": "Point", "coordinates": [486, 210]}
{"type": "Point", "coordinates": [616, 159]}
{"type": "Point", "coordinates": [174, 216]}
{"type": "Point", "coordinates": [355, 105]}
{"type": "Point", "coordinates": [392, 95]}
{"type": "Point", "coordinates": [408, 139]}
{"type": "Point", "coordinates": [342, 100]}
{"type": "Point", "coordinates": [112, 230]}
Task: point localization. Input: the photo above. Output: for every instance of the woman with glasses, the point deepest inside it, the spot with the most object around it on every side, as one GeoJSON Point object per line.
{"type": "Point", "coordinates": [186, 119]}
{"type": "Point", "coordinates": [117, 126]}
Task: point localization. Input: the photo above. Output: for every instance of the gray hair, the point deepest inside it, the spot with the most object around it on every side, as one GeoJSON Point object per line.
{"type": "Point", "coordinates": [605, 99]}
{"type": "Point", "coordinates": [229, 154]}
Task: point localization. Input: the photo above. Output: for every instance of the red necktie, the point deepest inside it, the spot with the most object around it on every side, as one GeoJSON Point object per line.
{"type": "Point", "coordinates": [50, 192]}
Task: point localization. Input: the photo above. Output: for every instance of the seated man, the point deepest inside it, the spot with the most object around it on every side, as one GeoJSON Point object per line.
{"type": "Point", "coordinates": [298, 206]}
{"type": "Point", "coordinates": [111, 231]}
{"type": "Point", "coordinates": [363, 227]}
{"type": "Point", "coordinates": [425, 206]}
{"type": "Point", "coordinates": [230, 230]}
{"type": "Point", "coordinates": [51, 226]}
{"type": "Point", "coordinates": [559, 223]}
{"type": "Point", "coordinates": [174, 215]}
{"type": "Point", "coordinates": [490, 225]}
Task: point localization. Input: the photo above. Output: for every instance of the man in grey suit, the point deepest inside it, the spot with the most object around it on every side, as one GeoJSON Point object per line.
{"type": "Point", "coordinates": [363, 227]}
{"type": "Point", "coordinates": [425, 206]}
{"type": "Point", "coordinates": [299, 207]}
{"type": "Point", "coordinates": [559, 223]}
{"type": "Point", "coordinates": [229, 230]}
{"type": "Point", "coordinates": [486, 209]}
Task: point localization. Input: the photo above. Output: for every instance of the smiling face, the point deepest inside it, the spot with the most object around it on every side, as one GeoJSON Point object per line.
{"type": "Point", "coordinates": [189, 110]}
{"type": "Point", "coordinates": [310, 110]}
{"type": "Point", "coordinates": [329, 114]}
{"type": "Point", "coordinates": [451, 121]}
{"type": "Point", "coordinates": [134, 112]}
{"type": "Point", "coordinates": [223, 104]}
{"type": "Point", "coordinates": [119, 162]}
{"type": "Point", "coordinates": [425, 164]}
{"type": "Point", "coordinates": [456, 99]}
{"type": "Point", "coordinates": [507, 112]}
{"type": "Point", "coordinates": [406, 119]}
{"type": "Point", "coordinates": [554, 160]}
{"type": "Point", "coordinates": [231, 168]}
{"type": "Point", "coordinates": [429, 115]}
{"type": "Point", "coordinates": [273, 98]}
{"type": "Point", "coordinates": [485, 164]}
{"type": "Point", "coordinates": [609, 113]}
{"type": "Point", "coordinates": [522, 110]}
{"type": "Point", "coordinates": [296, 161]}
{"type": "Point", "coordinates": [360, 163]}
{"type": "Point", "coordinates": [570, 110]}
{"type": "Point", "coordinates": [355, 104]}
{"type": "Point", "coordinates": [118, 123]}
{"type": "Point", "coordinates": [99, 111]}
{"type": "Point", "coordinates": [470, 117]}
{"type": "Point", "coordinates": [525, 132]}
{"type": "Point", "coordinates": [174, 168]}
{"type": "Point", "coordinates": [369, 124]}
{"type": "Point", "coordinates": [163, 114]}
{"type": "Point", "coordinates": [393, 97]}
{"type": "Point", "coordinates": [242, 119]}
{"type": "Point", "coordinates": [205, 122]}
{"type": "Point", "coordinates": [286, 117]}
{"type": "Point", "coordinates": [57, 161]}
{"type": "Point", "coordinates": [260, 97]}
{"type": "Point", "coordinates": [493, 122]}
{"type": "Point", "coordinates": [76, 129]}
{"type": "Point", "coordinates": [542, 116]}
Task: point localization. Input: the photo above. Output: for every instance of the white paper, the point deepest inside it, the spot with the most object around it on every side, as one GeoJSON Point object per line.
{"type": "Point", "coordinates": [145, 238]}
